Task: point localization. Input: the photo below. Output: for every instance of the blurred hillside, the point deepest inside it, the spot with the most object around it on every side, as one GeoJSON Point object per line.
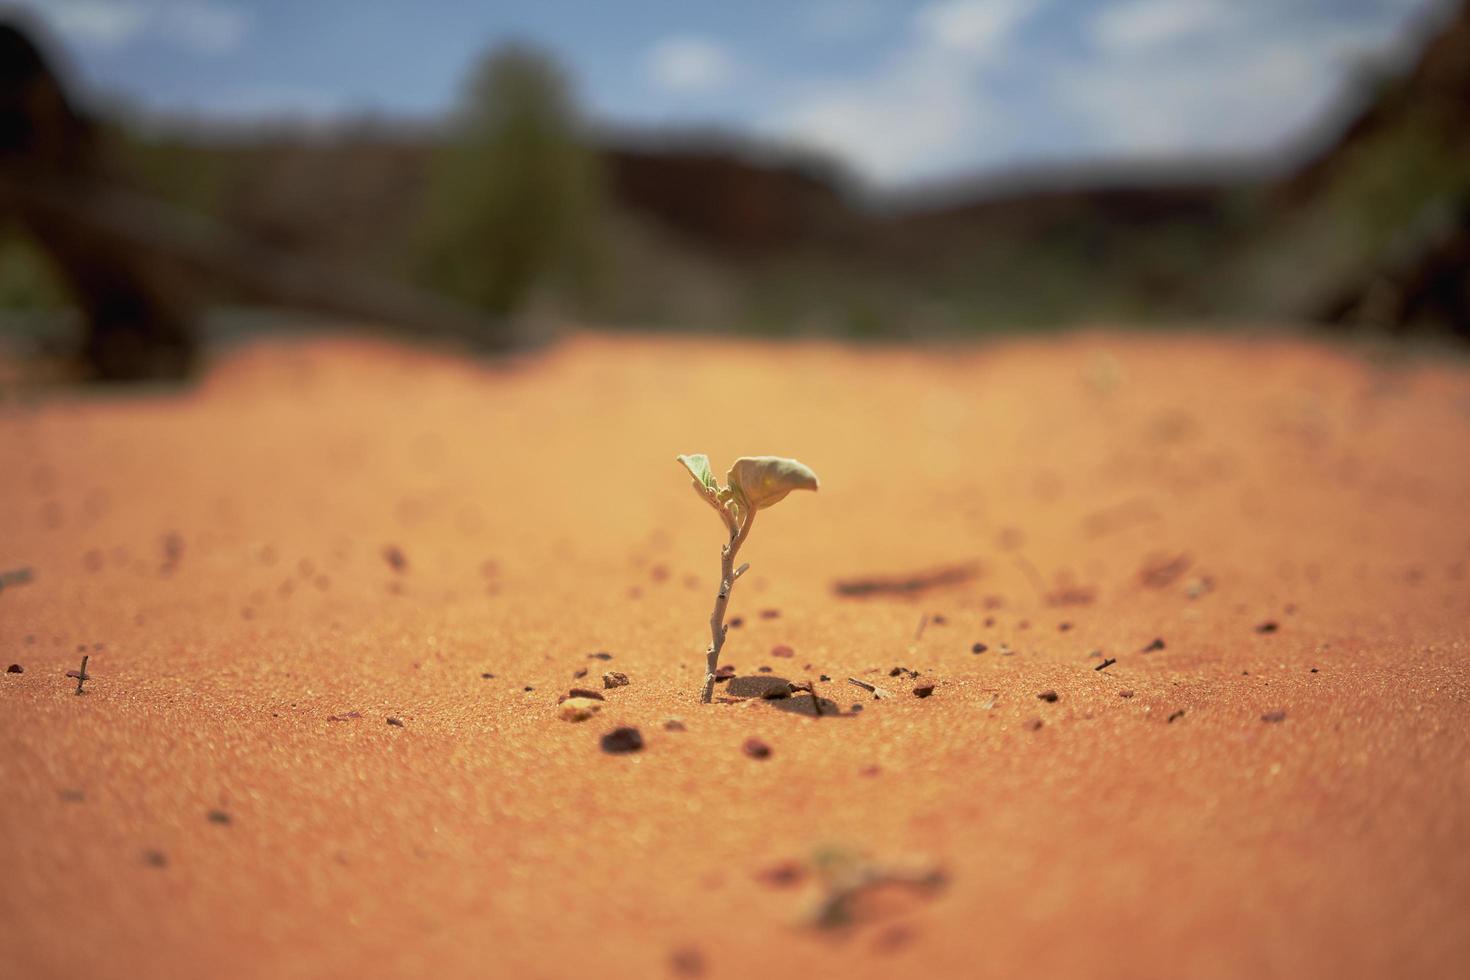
{"type": "Point", "coordinates": [712, 231]}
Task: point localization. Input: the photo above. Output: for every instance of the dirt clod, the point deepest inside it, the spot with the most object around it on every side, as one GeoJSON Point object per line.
{"type": "Point", "coordinates": [614, 678]}
{"type": "Point", "coordinates": [622, 740]}
{"type": "Point", "coordinates": [755, 748]}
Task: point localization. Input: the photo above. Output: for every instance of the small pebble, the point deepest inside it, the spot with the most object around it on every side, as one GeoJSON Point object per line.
{"type": "Point", "coordinates": [1033, 725]}
{"type": "Point", "coordinates": [15, 669]}
{"type": "Point", "coordinates": [1269, 626]}
{"type": "Point", "coordinates": [614, 678]}
{"type": "Point", "coordinates": [1050, 697]}
{"type": "Point", "coordinates": [155, 859]}
{"type": "Point", "coordinates": [395, 722]}
{"type": "Point", "coordinates": [979, 648]}
{"type": "Point", "coordinates": [923, 690]}
{"type": "Point", "coordinates": [218, 816]}
{"type": "Point", "coordinates": [687, 962]}
{"type": "Point", "coordinates": [1125, 693]}
{"type": "Point", "coordinates": [782, 875]}
{"type": "Point", "coordinates": [781, 650]}
{"type": "Point", "coordinates": [1157, 644]}
{"type": "Point", "coordinates": [622, 740]}
{"type": "Point", "coordinates": [770, 613]}
{"type": "Point", "coordinates": [580, 709]}
{"type": "Point", "coordinates": [1274, 716]}
{"type": "Point", "coordinates": [756, 749]}
{"type": "Point", "coordinates": [674, 725]}
{"type": "Point", "coordinates": [599, 655]}
{"type": "Point", "coordinates": [585, 692]}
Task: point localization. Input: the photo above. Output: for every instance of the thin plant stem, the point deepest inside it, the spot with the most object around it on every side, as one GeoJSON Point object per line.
{"type": "Point", "coordinates": [728, 576]}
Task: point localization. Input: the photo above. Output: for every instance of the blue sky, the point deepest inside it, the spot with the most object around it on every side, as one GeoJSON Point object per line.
{"type": "Point", "coordinates": [902, 91]}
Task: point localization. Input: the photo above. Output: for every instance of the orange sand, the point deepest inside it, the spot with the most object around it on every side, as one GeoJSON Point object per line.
{"type": "Point", "coordinates": [488, 837]}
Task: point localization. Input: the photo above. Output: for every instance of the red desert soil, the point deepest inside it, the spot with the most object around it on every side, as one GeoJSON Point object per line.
{"type": "Point", "coordinates": [335, 529]}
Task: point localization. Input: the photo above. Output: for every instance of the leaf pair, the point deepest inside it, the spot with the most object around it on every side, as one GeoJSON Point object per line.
{"type": "Point", "coordinates": [753, 482]}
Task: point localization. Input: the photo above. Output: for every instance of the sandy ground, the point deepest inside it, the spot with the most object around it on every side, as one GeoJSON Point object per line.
{"type": "Point", "coordinates": [330, 527]}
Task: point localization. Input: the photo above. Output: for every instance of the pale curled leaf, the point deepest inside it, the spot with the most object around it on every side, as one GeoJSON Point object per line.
{"type": "Point", "coordinates": [698, 466]}
{"type": "Point", "coordinates": [761, 481]}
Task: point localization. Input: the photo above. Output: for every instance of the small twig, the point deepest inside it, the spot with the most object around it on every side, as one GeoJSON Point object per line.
{"type": "Point", "coordinates": [1106, 663]}
{"type": "Point", "coordinates": [872, 689]}
{"type": "Point", "coordinates": [81, 675]}
{"type": "Point", "coordinates": [923, 621]}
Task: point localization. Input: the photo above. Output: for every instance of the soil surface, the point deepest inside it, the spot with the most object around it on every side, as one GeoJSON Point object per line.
{"type": "Point", "coordinates": [1218, 723]}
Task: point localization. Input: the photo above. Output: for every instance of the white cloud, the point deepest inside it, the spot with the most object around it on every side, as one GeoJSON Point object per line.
{"type": "Point", "coordinates": [689, 65]}
{"type": "Point", "coordinates": [925, 103]}
{"type": "Point", "coordinates": [1245, 81]}
{"type": "Point", "coordinates": [96, 22]}
{"type": "Point", "coordinates": [976, 27]}
{"type": "Point", "coordinates": [1143, 24]}
{"type": "Point", "coordinates": [203, 26]}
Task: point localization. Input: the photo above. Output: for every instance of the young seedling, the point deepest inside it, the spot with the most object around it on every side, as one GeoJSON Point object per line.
{"type": "Point", "coordinates": [754, 483]}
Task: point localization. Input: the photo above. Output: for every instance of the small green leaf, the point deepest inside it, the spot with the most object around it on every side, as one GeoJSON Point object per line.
{"type": "Point", "coordinates": [698, 467]}
{"type": "Point", "coordinates": [761, 481]}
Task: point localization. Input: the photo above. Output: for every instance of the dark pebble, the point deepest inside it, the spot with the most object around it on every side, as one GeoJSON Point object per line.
{"type": "Point", "coordinates": [218, 816]}
{"type": "Point", "coordinates": [621, 740]}
{"type": "Point", "coordinates": [1034, 725]}
{"type": "Point", "coordinates": [1274, 716]}
{"type": "Point", "coordinates": [1176, 716]}
{"type": "Point", "coordinates": [15, 669]}
{"type": "Point", "coordinates": [756, 749]}
{"type": "Point", "coordinates": [764, 670]}
{"type": "Point", "coordinates": [687, 962]}
{"type": "Point", "coordinates": [486, 675]}
{"type": "Point", "coordinates": [1050, 697]}
{"type": "Point", "coordinates": [770, 613]}
{"type": "Point", "coordinates": [737, 622]}
{"type": "Point", "coordinates": [155, 859]}
{"type": "Point", "coordinates": [923, 690]}
{"type": "Point", "coordinates": [1269, 626]}
{"type": "Point", "coordinates": [585, 692]}
{"type": "Point", "coordinates": [395, 722]}
{"type": "Point", "coordinates": [1157, 644]}
{"type": "Point", "coordinates": [599, 655]}
{"type": "Point", "coordinates": [824, 677]}
{"type": "Point", "coordinates": [1125, 694]}
{"type": "Point", "coordinates": [783, 875]}
{"type": "Point", "coordinates": [395, 558]}
{"type": "Point", "coordinates": [979, 648]}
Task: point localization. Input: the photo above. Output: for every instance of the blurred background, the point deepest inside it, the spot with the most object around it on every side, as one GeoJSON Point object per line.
{"type": "Point", "coordinates": [174, 173]}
